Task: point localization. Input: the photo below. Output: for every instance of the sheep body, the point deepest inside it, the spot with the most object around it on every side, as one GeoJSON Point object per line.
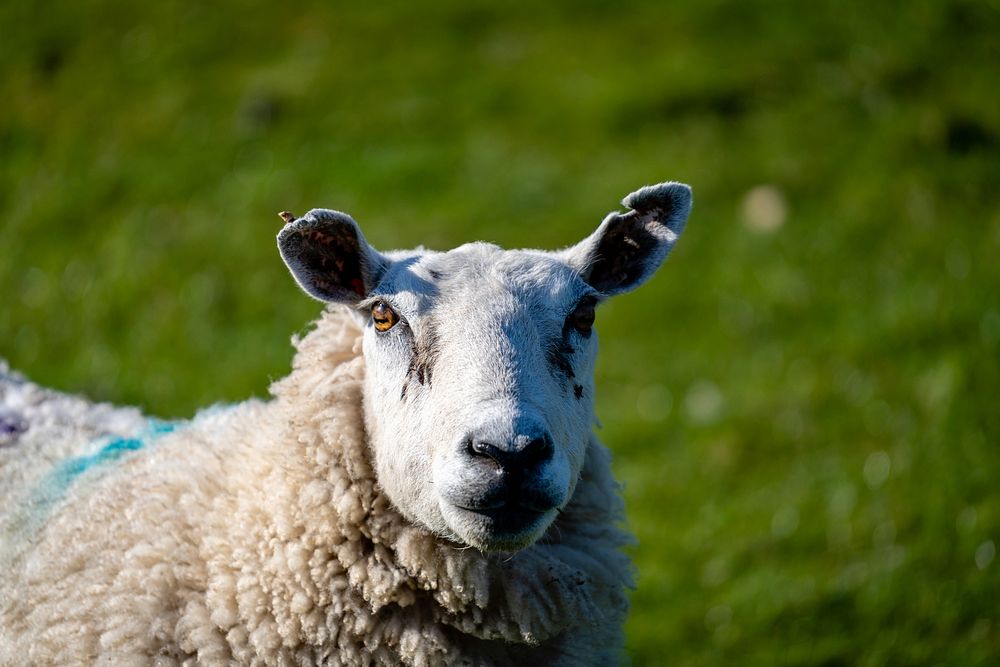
{"type": "Point", "coordinates": [258, 534]}
{"type": "Point", "coordinates": [424, 488]}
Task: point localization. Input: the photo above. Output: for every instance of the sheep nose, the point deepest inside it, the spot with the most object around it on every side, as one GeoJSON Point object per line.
{"type": "Point", "coordinates": [521, 455]}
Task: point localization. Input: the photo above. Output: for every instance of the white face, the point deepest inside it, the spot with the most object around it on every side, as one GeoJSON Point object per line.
{"type": "Point", "coordinates": [479, 398]}
{"type": "Point", "coordinates": [479, 361]}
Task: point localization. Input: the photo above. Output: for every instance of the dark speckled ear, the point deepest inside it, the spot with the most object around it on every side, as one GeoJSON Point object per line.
{"type": "Point", "coordinates": [329, 257]}
{"type": "Point", "coordinates": [627, 248]}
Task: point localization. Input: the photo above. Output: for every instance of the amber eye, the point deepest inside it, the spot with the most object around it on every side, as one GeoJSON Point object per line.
{"type": "Point", "coordinates": [582, 318]}
{"type": "Point", "coordinates": [383, 317]}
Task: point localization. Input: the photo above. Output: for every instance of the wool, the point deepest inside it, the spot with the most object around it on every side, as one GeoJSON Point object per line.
{"type": "Point", "coordinates": [257, 534]}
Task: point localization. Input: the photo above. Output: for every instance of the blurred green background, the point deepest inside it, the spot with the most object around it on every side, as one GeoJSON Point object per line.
{"type": "Point", "coordinates": [803, 404]}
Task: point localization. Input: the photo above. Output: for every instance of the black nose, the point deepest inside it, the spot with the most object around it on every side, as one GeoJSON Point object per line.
{"type": "Point", "coordinates": [521, 456]}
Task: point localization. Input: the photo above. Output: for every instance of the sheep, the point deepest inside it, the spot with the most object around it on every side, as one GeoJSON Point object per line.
{"type": "Point", "coordinates": [423, 488]}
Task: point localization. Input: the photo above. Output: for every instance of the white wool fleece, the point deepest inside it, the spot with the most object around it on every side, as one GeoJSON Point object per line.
{"type": "Point", "coordinates": [257, 534]}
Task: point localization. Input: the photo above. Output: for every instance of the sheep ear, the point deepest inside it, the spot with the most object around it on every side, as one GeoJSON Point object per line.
{"type": "Point", "coordinates": [628, 248]}
{"type": "Point", "coordinates": [329, 257]}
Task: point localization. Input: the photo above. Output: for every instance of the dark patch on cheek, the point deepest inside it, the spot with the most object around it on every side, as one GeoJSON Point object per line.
{"type": "Point", "coordinates": [559, 358]}
{"type": "Point", "coordinates": [559, 354]}
{"type": "Point", "coordinates": [578, 391]}
{"type": "Point", "coordinates": [411, 370]}
{"type": "Point", "coordinates": [423, 356]}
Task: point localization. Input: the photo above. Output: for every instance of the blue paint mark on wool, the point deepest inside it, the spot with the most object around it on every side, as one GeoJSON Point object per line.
{"type": "Point", "coordinates": [35, 507]}
{"type": "Point", "coordinates": [67, 472]}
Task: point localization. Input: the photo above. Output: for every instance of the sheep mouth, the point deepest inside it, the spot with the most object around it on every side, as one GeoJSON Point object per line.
{"type": "Point", "coordinates": [507, 527]}
{"type": "Point", "coordinates": [505, 518]}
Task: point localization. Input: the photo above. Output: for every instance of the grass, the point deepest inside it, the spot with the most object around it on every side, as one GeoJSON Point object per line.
{"type": "Point", "coordinates": [804, 413]}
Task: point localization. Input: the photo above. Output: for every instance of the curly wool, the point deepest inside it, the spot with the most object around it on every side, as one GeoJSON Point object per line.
{"type": "Point", "coordinates": [258, 534]}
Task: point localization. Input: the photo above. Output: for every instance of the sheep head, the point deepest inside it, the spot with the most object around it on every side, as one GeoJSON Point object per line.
{"type": "Point", "coordinates": [479, 361]}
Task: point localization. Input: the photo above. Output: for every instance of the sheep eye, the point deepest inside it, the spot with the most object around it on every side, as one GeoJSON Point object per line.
{"type": "Point", "coordinates": [582, 317]}
{"type": "Point", "coordinates": [383, 317]}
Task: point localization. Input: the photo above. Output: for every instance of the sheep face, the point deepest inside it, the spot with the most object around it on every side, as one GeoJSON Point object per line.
{"type": "Point", "coordinates": [479, 390]}
{"type": "Point", "coordinates": [479, 361]}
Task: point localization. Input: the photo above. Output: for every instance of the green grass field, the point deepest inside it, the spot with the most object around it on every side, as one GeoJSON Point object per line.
{"type": "Point", "coordinates": [804, 405]}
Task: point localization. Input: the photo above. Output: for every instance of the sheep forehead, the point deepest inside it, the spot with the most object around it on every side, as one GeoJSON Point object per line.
{"type": "Point", "coordinates": [483, 276]}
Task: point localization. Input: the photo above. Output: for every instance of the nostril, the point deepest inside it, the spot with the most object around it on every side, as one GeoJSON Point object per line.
{"type": "Point", "coordinates": [516, 456]}
{"type": "Point", "coordinates": [537, 451]}
{"type": "Point", "coordinates": [479, 448]}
